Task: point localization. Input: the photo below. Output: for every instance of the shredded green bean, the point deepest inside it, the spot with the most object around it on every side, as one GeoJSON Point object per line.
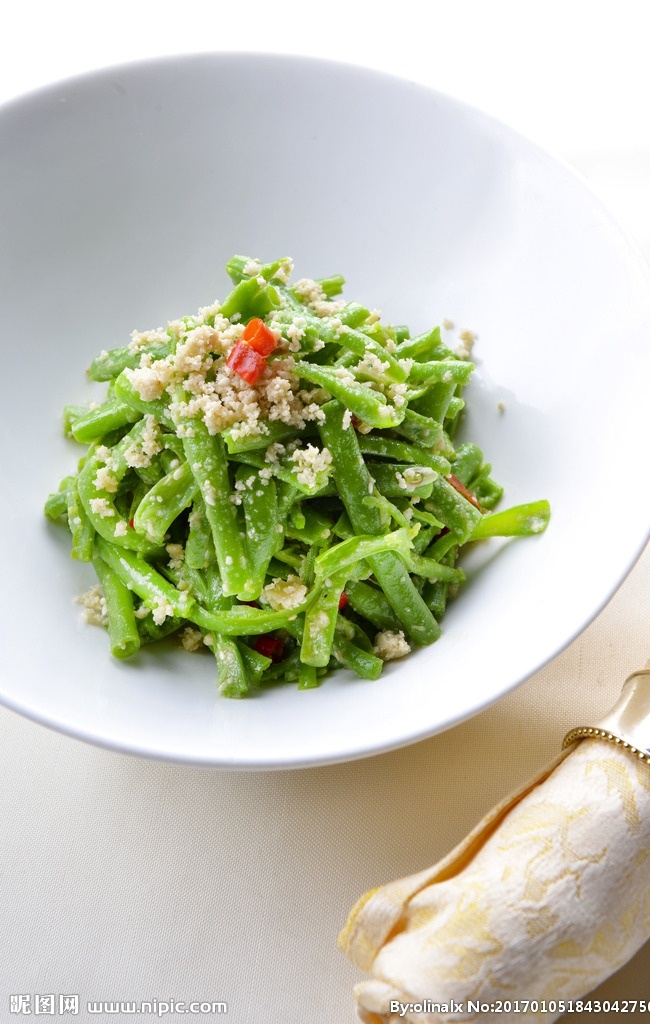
{"type": "Point", "coordinates": [275, 480]}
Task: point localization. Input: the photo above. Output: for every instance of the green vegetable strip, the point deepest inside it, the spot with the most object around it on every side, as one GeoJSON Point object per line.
{"type": "Point", "coordinates": [435, 594]}
{"type": "Point", "coordinates": [424, 538]}
{"type": "Point", "coordinates": [288, 494]}
{"type": "Point", "coordinates": [394, 480]}
{"type": "Point", "coordinates": [284, 469]}
{"type": "Point", "coordinates": [108, 365]}
{"type": "Point", "coordinates": [244, 621]}
{"type": "Point", "coordinates": [362, 345]}
{"type": "Point", "coordinates": [405, 599]}
{"type": "Point", "coordinates": [219, 614]}
{"type": "Point", "coordinates": [371, 604]}
{"type": "Point", "coordinates": [114, 413]}
{"type": "Point", "coordinates": [231, 673]}
{"type": "Point", "coordinates": [249, 299]}
{"type": "Point", "coordinates": [206, 586]}
{"type": "Point", "coordinates": [56, 506]}
{"type": "Point", "coordinates": [80, 525]}
{"type": "Point", "coordinates": [287, 556]}
{"type": "Point", "coordinates": [152, 588]}
{"type": "Point", "coordinates": [435, 402]}
{"type": "Point", "coordinates": [297, 518]}
{"type": "Point", "coordinates": [122, 623]}
{"type": "Point", "coordinates": [354, 483]}
{"type": "Point", "coordinates": [150, 632]}
{"type": "Point", "coordinates": [307, 677]}
{"type": "Point", "coordinates": [260, 504]}
{"type": "Point", "coordinates": [369, 406]}
{"type": "Point", "coordinates": [206, 456]}
{"type": "Point", "coordinates": [388, 510]}
{"type": "Point", "coordinates": [273, 432]}
{"type": "Point", "coordinates": [455, 407]}
{"type": "Point", "coordinates": [344, 555]}
{"type": "Point", "coordinates": [467, 463]}
{"type": "Point", "coordinates": [199, 538]}
{"type": "Point", "coordinates": [164, 502]}
{"type": "Point", "coordinates": [344, 333]}
{"type": "Point", "coordinates": [430, 569]}
{"type": "Point", "coordinates": [424, 346]}
{"type": "Point", "coordinates": [356, 343]}
{"type": "Point", "coordinates": [129, 396]}
{"type": "Point", "coordinates": [99, 504]}
{"type": "Point", "coordinates": [453, 509]}
{"type": "Point", "coordinates": [442, 547]}
{"type": "Point", "coordinates": [148, 475]}
{"type": "Point", "coordinates": [353, 631]}
{"type": "Point", "coordinates": [364, 664]}
{"type": "Point", "coordinates": [353, 314]}
{"type": "Point", "coordinates": [486, 490]}
{"type": "Point", "coordinates": [350, 472]}
{"type": "Point", "coordinates": [518, 521]}
{"type": "Point", "coordinates": [196, 583]}
{"type": "Point", "coordinates": [332, 285]}
{"type": "Point", "coordinates": [445, 371]}
{"type": "Point", "coordinates": [72, 413]}
{"type": "Point", "coordinates": [421, 430]}
{"type": "Point", "coordinates": [315, 529]}
{"type": "Point", "coordinates": [236, 270]}
{"type": "Point", "coordinates": [320, 622]}
{"type": "Point", "coordinates": [400, 451]}
{"type": "Point", "coordinates": [287, 671]}
{"type": "Point", "coordinates": [421, 516]}
{"type": "Point", "coordinates": [255, 664]}
{"type": "Point", "coordinates": [138, 492]}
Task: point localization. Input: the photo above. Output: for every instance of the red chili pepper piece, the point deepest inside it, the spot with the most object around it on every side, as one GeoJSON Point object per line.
{"type": "Point", "coordinates": [251, 604]}
{"type": "Point", "coordinates": [132, 522]}
{"type": "Point", "coordinates": [246, 362]}
{"type": "Point", "coordinates": [259, 336]}
{"type": "Point", "coordinates": [270, 647]}
{"type": "Point", "coordinates": [460, 487]}
{"type": "Point", "coordinates": [343, 600]}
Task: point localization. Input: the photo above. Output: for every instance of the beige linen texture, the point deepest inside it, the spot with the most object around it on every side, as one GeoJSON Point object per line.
{"type": "Point", "coordinates": [545, 898]}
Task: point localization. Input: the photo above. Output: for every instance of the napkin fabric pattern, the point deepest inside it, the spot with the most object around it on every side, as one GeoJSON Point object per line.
{"type": "Point", "coordinates": [544, 899]}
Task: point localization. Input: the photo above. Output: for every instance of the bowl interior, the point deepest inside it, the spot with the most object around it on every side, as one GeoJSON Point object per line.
{"type": "Point", "coordinates": [124, 193]}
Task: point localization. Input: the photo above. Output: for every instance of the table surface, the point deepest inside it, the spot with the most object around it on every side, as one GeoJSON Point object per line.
{"type": "Point", "coordinates": [122, 879]}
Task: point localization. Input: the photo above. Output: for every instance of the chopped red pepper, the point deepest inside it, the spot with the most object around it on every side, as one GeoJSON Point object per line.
{"type": "Point", "coordinates": [270, 647]}
{"type": "Point", "coordinates": [246, 362]}
{"type": "Point", "coordinates": [460, 487]}
{"type": "Point", "coordinates": [343, 600]}
{"type": "Point", "coordinates": [259, 336]}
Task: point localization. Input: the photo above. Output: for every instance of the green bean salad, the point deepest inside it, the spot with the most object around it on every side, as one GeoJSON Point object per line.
{"type": "Point", "coordinates": [275, 479]}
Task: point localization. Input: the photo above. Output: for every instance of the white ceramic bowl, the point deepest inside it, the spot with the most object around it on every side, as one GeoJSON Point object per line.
{"type": "Point", "coordinates": [123, 194]}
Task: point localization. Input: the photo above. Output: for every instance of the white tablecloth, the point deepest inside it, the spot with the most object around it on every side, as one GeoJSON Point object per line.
{"type": "Point", "coordinates": [129, 881]}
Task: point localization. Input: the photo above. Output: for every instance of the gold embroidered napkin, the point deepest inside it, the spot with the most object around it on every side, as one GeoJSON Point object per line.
{"type": "Point", "coordinates": [544, 899]}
